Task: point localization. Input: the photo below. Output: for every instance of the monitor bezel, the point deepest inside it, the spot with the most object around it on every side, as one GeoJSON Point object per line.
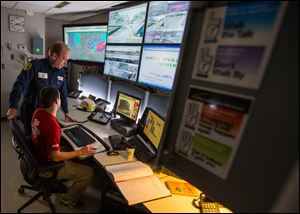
{"type": "Point", "coordinates": [165, 43]}
{"type": "Point", "coordinates": [157, 87]}
{"type": "Point", "coordinates": [143, 121]}
{"type": "Point", "coordinates": [128, 43]}
{"type": "Point", "coordinates": [122, 115]}
{"type": "Point", "coordinates": [117, 77]}
{"type": "Point", "coordinates": [86, 62]}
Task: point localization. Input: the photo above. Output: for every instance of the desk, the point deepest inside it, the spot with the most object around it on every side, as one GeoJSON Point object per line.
{"type": "Point", "coordinates": [174, 203]}
{"type": "Point", "coordinates": [103, 131]}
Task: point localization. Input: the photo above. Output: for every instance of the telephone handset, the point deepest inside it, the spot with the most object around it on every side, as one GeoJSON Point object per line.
{"type": "Point", "coordinates": [118, 142]}
{"type": "Point", "coordinates": [206, 205]}
{"type": "Point", "coordinates": [101, 104]}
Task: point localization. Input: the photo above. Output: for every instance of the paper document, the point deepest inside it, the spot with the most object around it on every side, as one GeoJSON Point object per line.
{"type": "Point", "coordinates": [136, 182]}
{"type": "Point", "coordinates": [128, 171]}
{"type": "Point", "coordinates": [143, 189]}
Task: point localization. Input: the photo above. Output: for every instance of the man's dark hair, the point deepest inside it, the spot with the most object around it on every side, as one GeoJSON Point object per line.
{"type": "Point", "coordinates": [48, 95]}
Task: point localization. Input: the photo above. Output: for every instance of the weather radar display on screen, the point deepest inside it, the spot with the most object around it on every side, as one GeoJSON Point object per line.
{"type": "Point", "coordinates": [127, 25]}
{"type": "Point", "coordinates": [87, 43]}
{"type": "Point", "coordinates": [166, 21]}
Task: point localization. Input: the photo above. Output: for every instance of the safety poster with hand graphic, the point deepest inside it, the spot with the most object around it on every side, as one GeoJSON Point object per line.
{"type": "Point", "coordinates": [212, 127]}
{"type": "Point", "coordinates": [236, 42]}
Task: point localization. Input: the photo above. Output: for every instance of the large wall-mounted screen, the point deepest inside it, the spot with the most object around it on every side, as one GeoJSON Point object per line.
{"type": "Point", "coordinates": [166, 21]}
{"type": "Point", "coordinates": [122, 61]}
{"type": "Point", "coordinates": [87, 43]}
{"type": "Point", "coordinates": [127, 25]}
{"type": "Point", "coordinates": [158, 66]}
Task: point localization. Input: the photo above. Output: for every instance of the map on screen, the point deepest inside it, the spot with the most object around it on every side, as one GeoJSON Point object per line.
{"type": "Point", "coordinates": [166, 21]}
{"type": "Point", "coordinates": [127, 25]}
{"type": "Point", "coordinates": [87, 43]}
{"type": "Point", "coordinates": [122, 61]}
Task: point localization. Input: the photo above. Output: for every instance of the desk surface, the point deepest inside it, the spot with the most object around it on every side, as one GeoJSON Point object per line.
{"type": "Point", "coordinates": [103, 131]}
{"type": "Point", "coordinates": [172, 204]}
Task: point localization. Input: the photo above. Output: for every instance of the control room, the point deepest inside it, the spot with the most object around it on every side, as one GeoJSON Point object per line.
{"type": "Point", "coordinates": [149, 106]}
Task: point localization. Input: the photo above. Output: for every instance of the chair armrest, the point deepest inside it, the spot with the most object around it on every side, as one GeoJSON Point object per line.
{"type": "Point", "coordinates": [52, 166]}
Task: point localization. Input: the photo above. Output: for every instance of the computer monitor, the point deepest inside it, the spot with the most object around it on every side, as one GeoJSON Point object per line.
{"type": "Point", "coordinates": [166, 21]}
{"type": "Point", "coordinates": [122, 61]}
{"type": "Point", "coordinates": [127, 106]}
{"type": "Point", "coordinates": [153, 127]}
{"type": "Point", "coordinates": [158, 66]}
{"type": "Point", "coordinates": [127, 25]}
{"type": "Point", "coordinates": [86, 42]}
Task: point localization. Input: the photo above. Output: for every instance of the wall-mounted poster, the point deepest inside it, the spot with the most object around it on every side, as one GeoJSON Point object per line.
{"type": "Point", "coordinates": [236, 42]}
{"type": "Point", "coordinates": [212, 127]}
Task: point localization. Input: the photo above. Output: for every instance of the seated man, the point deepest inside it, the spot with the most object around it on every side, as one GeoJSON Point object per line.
{"type": "Point", "coordinates": [46, 148]}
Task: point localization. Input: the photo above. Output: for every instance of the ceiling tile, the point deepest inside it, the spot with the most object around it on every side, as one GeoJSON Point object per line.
{"type": "Point", "coordinates": [31, 7]}
{"type": "Point", "coordinates": [76, 7]}
{"type": "Point", "coordinates": [8, 4]}
{"type": "Point", "coordinates": [96, 5]}
{"type": "Point", "coordinates": [42, 3]}
{"type": "Point", "coordinates": [73, 11]}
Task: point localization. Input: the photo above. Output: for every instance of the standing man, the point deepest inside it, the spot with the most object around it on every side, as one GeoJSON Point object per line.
{"type": "Point", "coordinates": [35, 75]}
{"type": "Point", "coordinates": [46, 148]}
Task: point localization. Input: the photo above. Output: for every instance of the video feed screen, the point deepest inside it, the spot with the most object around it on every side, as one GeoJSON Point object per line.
{"type": "Point", "coordinates": [166, 21]}
{"type": "Point", "coordinates": [122, 61]}
{"type": "Point", "coordinates": [154, 127]}
{"type": "Point", "coordinates": [87, 43]}
{"type": "Point", "coordinates": [158, 66]}
{"type": "Point", "coordinates": [128, 106]}
{"type": "Point", "coordinates": [127, 25]}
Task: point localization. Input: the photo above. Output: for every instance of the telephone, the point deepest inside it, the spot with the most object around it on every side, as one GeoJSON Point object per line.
{"type": "Point", "coordinates": [89, 104]}
{"type": "Point", "coordinates": [74, 93]}
{"type": "Point", "coordinates": [100, 116]}
{"type": "Point", "coordinates": [118, 142]}
{"type": "Point", "coordinates": [206, 205]}
{"type": "Point", "coordinates": [101, 104]}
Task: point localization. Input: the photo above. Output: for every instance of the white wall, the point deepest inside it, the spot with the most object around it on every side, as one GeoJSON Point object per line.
{"type": "Point", "coordinates": [54, 31]}
{"type": "Point", "coordinates": [34, 28]}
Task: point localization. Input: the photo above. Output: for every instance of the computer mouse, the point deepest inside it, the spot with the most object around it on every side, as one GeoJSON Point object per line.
{"type": "Point", "coordinates": [112, 152]}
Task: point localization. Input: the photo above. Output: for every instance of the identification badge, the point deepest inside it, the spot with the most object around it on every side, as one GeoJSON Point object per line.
{"type": "Point", "coordinates": [60, 78]}
{"type": "Point", "coordinates": [42, 75]}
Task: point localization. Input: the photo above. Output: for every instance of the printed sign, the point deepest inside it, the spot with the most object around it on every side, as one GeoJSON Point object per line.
{"type": "Point", "coordinates": [212, 127]}
{"type": "Point", "coordinates": [236, 42]}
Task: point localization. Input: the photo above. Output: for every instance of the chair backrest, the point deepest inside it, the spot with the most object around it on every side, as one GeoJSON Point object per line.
{"type": "Point", "coordinates": [28, 164]}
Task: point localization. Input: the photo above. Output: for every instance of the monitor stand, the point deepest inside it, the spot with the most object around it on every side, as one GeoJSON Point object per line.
{"type": "Point", "coordinates": [124, 127]}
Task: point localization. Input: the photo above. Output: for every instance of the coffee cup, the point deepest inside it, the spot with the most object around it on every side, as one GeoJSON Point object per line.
{"type": "Point", "coordinates": [130, 152]}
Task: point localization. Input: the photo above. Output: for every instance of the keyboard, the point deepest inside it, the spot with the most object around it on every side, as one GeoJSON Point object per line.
{"type": "Point", "coordinates": [141, 152]}
{"type": "Point", "coordinates": [116, 142]}
{"type": "Point", "coordinates": [79, 136]}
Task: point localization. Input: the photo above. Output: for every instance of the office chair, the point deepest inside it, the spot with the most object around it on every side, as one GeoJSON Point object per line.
{"type": "Point", "coordinates": [30, 170]}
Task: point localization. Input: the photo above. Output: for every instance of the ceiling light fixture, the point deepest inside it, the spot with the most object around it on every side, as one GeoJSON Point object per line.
{"type": "Point", "coordinates": [60, 5]}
